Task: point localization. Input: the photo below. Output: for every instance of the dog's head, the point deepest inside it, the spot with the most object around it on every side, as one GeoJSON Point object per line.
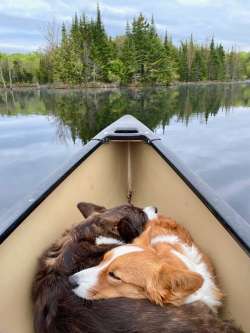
{"type": "Point", "coordinates": [136, 272]}
{"type": "Point", "coordinates": [122, 223]}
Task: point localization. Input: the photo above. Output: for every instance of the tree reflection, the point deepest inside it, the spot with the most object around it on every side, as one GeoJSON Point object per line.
{"type": "Point", "coordinates": [85, 113]}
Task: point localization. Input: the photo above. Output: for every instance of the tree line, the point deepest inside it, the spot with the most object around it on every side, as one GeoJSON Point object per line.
{"type": "Point", "coordinates": [87, 55]}
{"type": "Point", "coordinates": [19, 68]}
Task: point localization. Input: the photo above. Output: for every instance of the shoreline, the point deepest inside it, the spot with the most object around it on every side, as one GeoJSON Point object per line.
{"type": "Point", "coordinates": [108, 86]}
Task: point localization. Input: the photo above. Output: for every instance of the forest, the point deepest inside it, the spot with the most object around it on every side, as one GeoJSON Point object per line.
{"type": "Point", "coordinates": [85, 55]}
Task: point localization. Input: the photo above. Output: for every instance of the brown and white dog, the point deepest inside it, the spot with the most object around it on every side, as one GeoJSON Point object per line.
{"type": "Point", "coordinates": [163, 264]}
{"type": "Point", "coordinates": [58, 310]}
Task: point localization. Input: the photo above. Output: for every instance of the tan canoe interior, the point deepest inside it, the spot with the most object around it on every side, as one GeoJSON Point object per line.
{"type": "Point", "coordinates": [103, 178]}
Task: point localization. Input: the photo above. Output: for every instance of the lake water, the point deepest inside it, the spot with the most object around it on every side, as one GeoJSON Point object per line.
{"type": "Point", "coordinates": [207, 126]}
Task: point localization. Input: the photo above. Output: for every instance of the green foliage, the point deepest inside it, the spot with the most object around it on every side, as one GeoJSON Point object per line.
{"type": "Point", "coordinates": [144, 55]}
{"type": "Point", "coordinates": [45, 74]}
{"type": "Point", "coordinates": [19, 68]}
{"type": "Point", "coordinates": [116, 71]}
{"type": "Point", "coordinates": [84, 113]}
{"type": "Point", "coordinates": [244, 60]}
{"type": "Point", "coordinates": [67, 61]}
{"type": "Point", "coordinates": [86, 54]}
{"type": "Point", "coordinates": [199, 63]}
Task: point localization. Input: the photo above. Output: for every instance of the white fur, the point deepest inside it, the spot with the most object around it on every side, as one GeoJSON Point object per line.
{"type": "Point", "coordinates": [88, 278]}
{"type": "Point", "coordinates": [150, 212]}
{"type": "Point", "coordinates": [107, 240]}
{"type": "Point", "coordinates": [192, 258]}
{"type": "Point", "coordinates": [169, 239]}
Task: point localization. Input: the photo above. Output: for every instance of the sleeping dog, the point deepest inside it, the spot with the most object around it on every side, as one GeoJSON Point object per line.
{"type": "Point", "coordinates": [81, 247]}
{"type": "Point", "coordinates": [58, 309]}
{"type": "Point", "coordinates": [163, 264]}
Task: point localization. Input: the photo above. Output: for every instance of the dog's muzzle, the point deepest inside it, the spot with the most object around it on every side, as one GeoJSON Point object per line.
{"type": "Point", "coordinates": [151, 212]}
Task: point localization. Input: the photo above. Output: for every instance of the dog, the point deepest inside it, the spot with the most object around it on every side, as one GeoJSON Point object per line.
{"type": "Point", "coordinates": [80, 247]}
{"type": "Point", "coordinates": [163, 264]}
{"type": "Point", "coordinates": [58, 310]}
{"type": "Point", "coordinates": [125, 315]}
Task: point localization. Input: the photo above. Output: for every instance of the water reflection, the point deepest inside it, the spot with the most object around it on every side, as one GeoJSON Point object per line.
{"type": "Point", "coordinates": [85, 113]}
{"type": "Point", "coordinates": [206, 125]}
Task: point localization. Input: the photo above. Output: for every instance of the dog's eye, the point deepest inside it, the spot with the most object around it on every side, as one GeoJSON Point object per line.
{"type": "Point", "coordinates": [112, 274]}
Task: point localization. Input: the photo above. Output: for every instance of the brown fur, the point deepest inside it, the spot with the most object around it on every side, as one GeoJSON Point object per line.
{"type": "Point", "coordinates": [145, 275]}
{"type": "Point", "coordinates": [164, 226]}
{"type": "Point", "coordinates": [155, 272]}
{"type": "Point", "coordinates": [58, 310]}
{"type": "Point", "coordinates": [76, 250]}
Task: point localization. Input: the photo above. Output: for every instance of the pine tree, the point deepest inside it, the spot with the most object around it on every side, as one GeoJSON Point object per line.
{"type": "Point", "coordinates": [128, 57]}
{"type": "Point", "coordinates": [233, 66]}
{"type": "Point", "coordinates": [172, 54]}
{"type": "Point", "coordinates": [221, 62]}
{"type": "Point", "coordinates": [64, 33]}
{"type": "Point", "coordinates": [213, 62]}
{"type": "Point", "coordinates": [68, 65]}
{"type": "Point", "coordinates": [190, 56]}
{"type": "Point", "coordinates": [86, 53]}
{"type": "Point", "coordinates": [101, 49]}
{"type": "Point", "coordinates": [150, 60]}
{"type": "Point", "coordinates": [198, 70]}
{"type": "Point", "coordinates": [183, 62]}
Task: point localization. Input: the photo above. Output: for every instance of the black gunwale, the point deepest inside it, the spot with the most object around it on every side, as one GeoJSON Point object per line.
{"type": "Point", "coordinates": [228, 218]}
{"type": "Point", "coordinates": [42, 193]}
{"type": "Point", "coordinates": [224, 213]}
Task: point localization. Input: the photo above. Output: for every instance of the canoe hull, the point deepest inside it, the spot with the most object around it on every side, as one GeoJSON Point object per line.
{"type": "Point", "coordinates": [105, 178]}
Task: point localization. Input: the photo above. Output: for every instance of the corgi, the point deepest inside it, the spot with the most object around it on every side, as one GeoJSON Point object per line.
{"type": "Point", "coordinates": [163, 264]}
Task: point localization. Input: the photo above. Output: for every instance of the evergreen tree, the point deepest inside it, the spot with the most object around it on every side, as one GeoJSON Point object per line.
{"type": "Point", "coordinates": [183, 62]}
{"type": "Point", "coordinates": [149, 57]}
{"type": "Point", "coordinates": [213, 62]}
{"type": "Point", "coordinates": [64, 33]}
{"type": "Point", "coordinates": [233, 66]}
{"type": "Point", "coordinates": [170, 48]}
{"type": "Point", "coordinates": [128, 57]}
{"type": "Point", "coordinates": [46, 69]}
{"type": "Point", "coordinates": [87, 54]}
{"type": "Point", "coordinates": [198, 70]}
{"type": "Point", "coordinates": [221, 63]}
{"type": "Point", "coordinates": [68, 65]}
{"type": "Point", "coordinates": [100, 47]}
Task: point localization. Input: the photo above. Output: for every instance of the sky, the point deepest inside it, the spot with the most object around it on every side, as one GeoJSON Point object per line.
{"type": "Point", "coordinates": [23, 22]}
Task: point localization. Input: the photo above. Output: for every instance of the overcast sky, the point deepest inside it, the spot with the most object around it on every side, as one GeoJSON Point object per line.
{"type": "Point", "coordinates": [22, 22]}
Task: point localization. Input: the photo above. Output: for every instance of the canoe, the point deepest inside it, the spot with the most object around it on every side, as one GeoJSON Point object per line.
{"type": "Point", "coordinates": [124, 162]}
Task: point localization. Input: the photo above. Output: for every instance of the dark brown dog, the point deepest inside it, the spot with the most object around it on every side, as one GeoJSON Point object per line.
{"type": "Point", "coordinates": [57, 309]}
{"type": "Point", "coordinates": [75, 250]}
{"type": "Point", "coordinates": [124, 315]}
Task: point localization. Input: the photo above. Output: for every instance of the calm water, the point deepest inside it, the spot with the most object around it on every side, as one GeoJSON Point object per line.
{"type": "Point", "coordinates": [208, 127]}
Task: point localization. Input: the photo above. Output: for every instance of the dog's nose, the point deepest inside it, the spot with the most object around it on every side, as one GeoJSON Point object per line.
{"type": "Point", "coordinates": [73, 282]}
{"type": "Point", "coordinates": [151, 212]}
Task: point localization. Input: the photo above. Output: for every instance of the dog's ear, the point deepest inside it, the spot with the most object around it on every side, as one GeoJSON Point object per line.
{"type": "Point", "coordinates": [87, 208]}
{"type": "Point", "coordinates": [127, 229]}
{"type": "Point", "coordinates": [172, 285]}
{"type": "Point", "coordinates": [183, 283]}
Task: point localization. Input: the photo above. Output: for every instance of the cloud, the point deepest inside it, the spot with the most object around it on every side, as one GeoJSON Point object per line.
{"type": "Point", "coordinates": [195, 2]}
{"type": "Point", "coordinates": [118, 10]}
{"type": "Point", "coordinates": [227, 20]}
{"type": "Point", "coordinates": [24, 8]}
